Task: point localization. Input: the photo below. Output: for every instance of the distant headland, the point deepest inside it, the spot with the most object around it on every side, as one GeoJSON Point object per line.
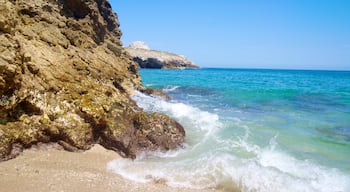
{"type": "Point", "coordinates": [147, 58]}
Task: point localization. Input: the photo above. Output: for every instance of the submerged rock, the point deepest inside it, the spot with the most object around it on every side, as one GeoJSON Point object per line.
{"type": "Point", "coordinates": [65, 78]}
{"type": "Point", "coordinates": [147, 58]}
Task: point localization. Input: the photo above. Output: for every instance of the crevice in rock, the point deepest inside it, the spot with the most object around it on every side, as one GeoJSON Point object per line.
{"type": "Point", "coordinates": [133, 69]}
{"type": "Point", "coordinates": [28, 12]}
{"type": "Point", "coordinates": [117, 146]}
{"type": "Point", "coordinates": [23, 108]}
{"type": "Point", "coordinates": [119, 87]}
{"type": "Point", "coordinates": [47, 8]}
{"type": "Point", "coordinates": [97, 126]}
{"type": "Point", "coordinates": [75, 8]}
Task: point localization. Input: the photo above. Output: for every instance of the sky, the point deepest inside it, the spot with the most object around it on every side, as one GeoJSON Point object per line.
{"type": "Point", "coordinates": [273, 34]}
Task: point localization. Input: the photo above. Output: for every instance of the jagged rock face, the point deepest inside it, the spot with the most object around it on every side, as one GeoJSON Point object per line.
{"type": "Point", "coordinates": [64, 77]}
{"type": "Point", "coordinates": [147, 58]}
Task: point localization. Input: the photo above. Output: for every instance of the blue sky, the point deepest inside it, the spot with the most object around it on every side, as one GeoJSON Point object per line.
{"type": "Point", "coordinates": [284, 34]}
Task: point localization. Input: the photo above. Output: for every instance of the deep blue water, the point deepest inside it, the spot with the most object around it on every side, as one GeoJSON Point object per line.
{"type": "Point", "coordinates": [252, 129]}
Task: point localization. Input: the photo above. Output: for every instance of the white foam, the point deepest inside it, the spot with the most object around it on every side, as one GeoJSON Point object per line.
{"type": "Point", "coordinates": [269, 171]}
{"type": "Point", "coordinates": [212, 161]}
{"type": "Point", "coordinates": [274, 170]}
{"type": "Point", "coordinates": [185, 114]}
{"type": "Point", "coordinates": [170, 88]}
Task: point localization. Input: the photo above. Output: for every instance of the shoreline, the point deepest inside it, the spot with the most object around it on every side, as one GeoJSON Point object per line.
{"type": "Point", "coordinates": [50, 169]}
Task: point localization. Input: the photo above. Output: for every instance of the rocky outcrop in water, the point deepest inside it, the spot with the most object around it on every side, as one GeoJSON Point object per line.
{"type": "Point", "coordinates": [65, 78]}
{"type": "Point", "coordinates": [147, 58]}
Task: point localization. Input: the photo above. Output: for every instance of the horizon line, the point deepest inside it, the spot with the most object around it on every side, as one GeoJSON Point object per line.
{"type": "Point", "coordinates": [262, 68]}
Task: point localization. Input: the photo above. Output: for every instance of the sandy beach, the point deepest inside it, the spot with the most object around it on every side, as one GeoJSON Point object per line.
{"type": "Point", "coordinates": [49, 169]}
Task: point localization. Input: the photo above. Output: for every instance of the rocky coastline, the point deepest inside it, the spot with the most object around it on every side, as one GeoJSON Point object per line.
{"type": "Point", "coordinates": [153, 59]}
{"type": "Point", "coordinates": [65, 78]}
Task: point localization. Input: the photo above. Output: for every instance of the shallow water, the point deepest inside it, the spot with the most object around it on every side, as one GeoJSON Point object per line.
{"type": "Point", "coordinates": [250, 130]}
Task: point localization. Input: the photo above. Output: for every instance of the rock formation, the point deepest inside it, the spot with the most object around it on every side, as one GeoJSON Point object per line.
{"type": "Point", "coordinates": [139, 45]}
{"type": "Point", "coordinates": [65, 78]}
{"type": "Point", "coordinates": [147, 58]}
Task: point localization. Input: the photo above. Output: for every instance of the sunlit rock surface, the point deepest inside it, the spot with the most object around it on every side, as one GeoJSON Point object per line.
{"type": "Point", "coordinates": [65, 78]}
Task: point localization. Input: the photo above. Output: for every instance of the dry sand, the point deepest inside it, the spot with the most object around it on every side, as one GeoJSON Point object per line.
{"type": "Point", "coordinates": [52, 170]}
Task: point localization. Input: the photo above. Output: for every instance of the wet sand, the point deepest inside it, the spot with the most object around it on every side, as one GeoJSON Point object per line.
{"type": "Point", "coordinates": [51, 170]}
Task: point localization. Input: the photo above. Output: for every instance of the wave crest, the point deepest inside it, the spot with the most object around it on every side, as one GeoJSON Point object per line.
{"type": "Point", "coordinates": [213, 161]}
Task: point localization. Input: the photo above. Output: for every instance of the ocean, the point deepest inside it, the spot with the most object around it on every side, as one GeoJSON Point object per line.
{"type": "Point", "coordinates": [250, 130]}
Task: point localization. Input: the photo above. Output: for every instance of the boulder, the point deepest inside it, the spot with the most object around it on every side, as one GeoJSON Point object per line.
{"type": "Point", "coordinates": [65, 78]}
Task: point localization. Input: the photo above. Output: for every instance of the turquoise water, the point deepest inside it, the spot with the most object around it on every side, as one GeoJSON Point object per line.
{"type": "Point", "coordinates": [250, 130]}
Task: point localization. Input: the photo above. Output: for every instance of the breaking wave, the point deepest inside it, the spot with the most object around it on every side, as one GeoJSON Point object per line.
{"type": "Point", "coordinates": [211, 159]}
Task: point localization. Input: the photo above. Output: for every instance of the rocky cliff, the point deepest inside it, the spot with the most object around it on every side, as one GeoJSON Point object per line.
{"type": "Point", "coordinates": [65, 78]}
{"type": "Point", "coordinates": [147, 58]}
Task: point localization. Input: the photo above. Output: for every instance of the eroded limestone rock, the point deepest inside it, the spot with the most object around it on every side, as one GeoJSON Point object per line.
{"type": "Point", "coordinates": [65, 78]}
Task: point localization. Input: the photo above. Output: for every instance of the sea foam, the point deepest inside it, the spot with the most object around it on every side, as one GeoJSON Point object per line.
{"type": "Point", "coordinates": [170, 88]}
{"type": "Point", "coordinates": [210, 160]}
